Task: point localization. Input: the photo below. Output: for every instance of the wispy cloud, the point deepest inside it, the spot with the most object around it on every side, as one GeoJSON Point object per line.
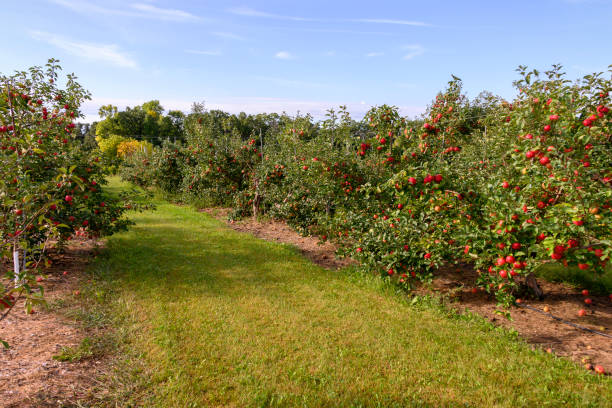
{"type": "Point", "coordinates": [284, 55]}
{"type": "Point", "coordinates": [250, 105]}
{"type": "Point", "coordinates": [374, 54]}
{"type": "Point", "coordinates": [330, 53]}
{"type": "Point", "coordinates": [335, 30]}
{"type": "Point", "coordinates": [249, 12]}
{"type": "Point", "coordinates": [109, 53]}
{"type": "Point", "coordinates": [388, 21]}
{"type": "Point", "coordinates": [289, 82]}
{"type": "Point", "coordinates": [413, 51]}
{"type": "Point", "coordinates": [230, 36]}
{"type": "Point", "coordinates": [139, 10]}
{"type": "Point", "coordinates": [149, 10]}
{"type": "Point", "coordinates": [203, 52]}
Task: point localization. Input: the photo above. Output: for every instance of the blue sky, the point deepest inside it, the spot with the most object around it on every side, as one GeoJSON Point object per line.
{"type": "Point", "coordinates": [257, 56]}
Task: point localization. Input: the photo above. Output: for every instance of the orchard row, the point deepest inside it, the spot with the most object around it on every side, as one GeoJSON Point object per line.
{"type": "Point", "coordinates": [50, 188]}
{"type": "Point", "coordinates": [503, 185]}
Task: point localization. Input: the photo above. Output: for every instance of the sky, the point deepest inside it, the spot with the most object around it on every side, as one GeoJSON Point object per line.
{"type": "Point", "coordinates": [301, 56]}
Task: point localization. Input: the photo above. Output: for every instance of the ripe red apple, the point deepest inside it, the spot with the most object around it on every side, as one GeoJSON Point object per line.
{"type": "Point", "coordinates": [546, 128]}
{"type": "Point", "coordinates": [503, 273]}
{"type": "Point", "coordinates": [544, 161]}
{"type": "Point", "coordinates": [599, 369]}
{"type": "Point", "coordinates": [583, 266]}
{"type": "Point", "coordinates": [582, 313]}
{"type": "Point", "coordinates": [427, 255]}
{"type": "Point", "coordinates": [588, 301]}
{"type": "Point", "coordinates": [505, 184]}
{"type": "Point", "coordinates": [585, 292]}
{"type": "Point", "coordinates": [68, 198]}
{"type": "Point", "coordinates": [516, 246]}
{"type": "Point", "coordinates": [359, 250]}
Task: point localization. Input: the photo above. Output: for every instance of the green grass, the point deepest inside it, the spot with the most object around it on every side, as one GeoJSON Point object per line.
{"type": "Point", "coordinates": [212, 317]}
{"type": "Point", "coordinates": [599, 284]}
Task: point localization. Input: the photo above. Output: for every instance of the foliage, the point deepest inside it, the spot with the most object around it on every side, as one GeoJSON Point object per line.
{"type": "Point", "coordinates": [144, 122]}
{"type": "Point", "coordinates": [505, 186]}
{"type": "Point", "coordinates": [50, 188]}
{"type": "Point", "coordinates": [129, 147]}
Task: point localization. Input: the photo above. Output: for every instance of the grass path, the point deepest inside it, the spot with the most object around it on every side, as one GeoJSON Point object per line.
{"type": "Point", "coordinates": [213, 317]}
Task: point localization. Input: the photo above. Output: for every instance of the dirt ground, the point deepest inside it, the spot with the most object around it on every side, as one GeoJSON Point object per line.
{"type": "Point", "coordinates": [320, 253]}
{"type": "Point", "coordinates": [540, 330]}
{"type": "Point", "coordinates": [29, 376]}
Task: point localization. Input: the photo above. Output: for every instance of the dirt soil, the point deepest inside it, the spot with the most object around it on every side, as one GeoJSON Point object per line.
{"type": "Point", "coordinates": [538, 329]}
{"type": "Point", "coordinates": [29, 376]}
{"type": "Point", "coordinates": [321, 253]}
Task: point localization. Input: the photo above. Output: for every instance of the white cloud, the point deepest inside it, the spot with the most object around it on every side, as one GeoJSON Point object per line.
{"type": "Point", "coordinates": [374, 54]}
{"type": "Point", "coordinates": [249, 105]}
{"type": "Point", "coordinates": [109, 53]}
{"type": "Point", "coordinates": [139, 10]}
{"type": "Point", "coordinates": [289, 82]}
{"type": "Point", "coordinates": [200, 52]}
{"type": "Point", "coordinates": [162, 13]}
{"type": "Point", "coordinates": [330, 54]}
{"type": "Point", "coordinates": [388, 21]}
{"type": "Point", "coordinates": [283, 55]}
{"type": "Point", "coordinates": [249, 12]}
{"type": "Point", "coordinates": [230, 36]}
{"type": "Point", "coordinates": [413, 51]}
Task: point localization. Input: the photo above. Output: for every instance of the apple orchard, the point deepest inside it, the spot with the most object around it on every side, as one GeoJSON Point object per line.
{"type": "Point", "coordinates": [50, 188]}
{"type": "Point", "coordinates": [503, 186]}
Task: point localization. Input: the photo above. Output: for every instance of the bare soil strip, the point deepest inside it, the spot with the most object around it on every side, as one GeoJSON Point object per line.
{"type": "Point", "coordinates": [29, 376]}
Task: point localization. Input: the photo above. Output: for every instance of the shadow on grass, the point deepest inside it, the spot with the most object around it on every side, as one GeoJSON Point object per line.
{"type": "Point", "coordinates": [168, 257]}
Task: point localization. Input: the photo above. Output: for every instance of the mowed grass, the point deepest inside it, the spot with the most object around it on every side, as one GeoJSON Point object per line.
{"type": "Point", "coordinates": [212, 317]}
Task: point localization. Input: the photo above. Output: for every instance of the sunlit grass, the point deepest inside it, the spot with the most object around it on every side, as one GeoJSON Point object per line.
{"type": "Point", "coordinates": [213, 317]}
